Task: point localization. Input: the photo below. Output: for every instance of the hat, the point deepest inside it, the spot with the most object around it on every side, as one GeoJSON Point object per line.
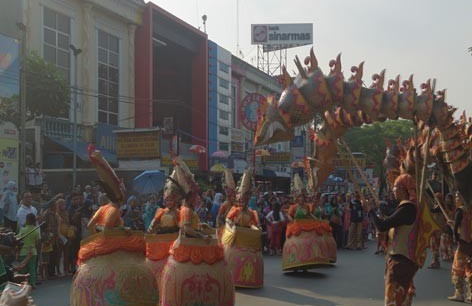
{"type": "Point", "coordinates": [110, 182]}
{"type": "Point", "coordinates": [407, 182]}
{"type": "Point", "coordinates": [181, 184]}
{"type": "Point", "coordinates": [245, 184]}
{"type": "Point", "coordinates": [228, 182]}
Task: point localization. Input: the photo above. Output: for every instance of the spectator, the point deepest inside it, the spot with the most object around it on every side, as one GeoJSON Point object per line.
{"type": "Point", "coordinates": [66, 232]}
{"type": "Point", "coordinates": [51, 225]}
{"type": "Point", "coordinates": [355, 230]}
{"type": "Point", "coordinates": [9, 206]}
{"type": "Point", "coordinates": [26, 208]}
{"type": "Point", "coordinates": [45, 192]}
{"type": "Point", "coordinates": [275, 220]}
{"type": "Point", "coordinates": [75, 219]}
{"type": "Point", "coordinates": [215, 208]}
{"type": "Point", "coordinates": [150, 210]}
{"type": "Point", "coordinates": [29, 246]}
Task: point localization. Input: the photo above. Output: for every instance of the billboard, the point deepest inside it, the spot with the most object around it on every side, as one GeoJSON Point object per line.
{"type": "Point", "coordinates": [139, 144]}
{"type": "Point", "coordinates": [9, 77]}
{"type": "Point", "coordinates": [9, 159]}
{"type": "Point", "coordinates": [281, 36]}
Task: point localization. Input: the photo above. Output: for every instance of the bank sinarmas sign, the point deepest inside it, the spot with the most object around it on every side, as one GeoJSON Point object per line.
{"type": "Point", "coordinates": [284, 35]}
{"type": "Point", "coordinates": [142, 144]}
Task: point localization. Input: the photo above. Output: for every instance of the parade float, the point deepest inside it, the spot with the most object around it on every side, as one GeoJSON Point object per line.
{"type": "Point", "coordinates": [196, 272]}
{"type": "Point", "coordinates": [242, 239]}
{"type": "Point", "coordinates": [309, 241]}
{"type": "Point", "coordinates": [111, 263]}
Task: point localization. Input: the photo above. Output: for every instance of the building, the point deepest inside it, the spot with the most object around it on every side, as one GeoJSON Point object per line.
{"type": "Point", "coordinates": [104, 31]}
{"type": "Point", "coordinates": [172, 86]}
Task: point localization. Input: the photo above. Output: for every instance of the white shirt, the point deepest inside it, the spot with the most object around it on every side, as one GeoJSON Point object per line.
{"type": "Point", "coordinates": [23, 211]}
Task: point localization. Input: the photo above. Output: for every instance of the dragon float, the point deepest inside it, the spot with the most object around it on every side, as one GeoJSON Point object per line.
{"type": "Point", "coordinates": [344, 104]}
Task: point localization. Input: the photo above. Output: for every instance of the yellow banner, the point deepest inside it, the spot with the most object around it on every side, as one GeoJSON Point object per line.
{"type": "Point", "coordinates": [138, 144]}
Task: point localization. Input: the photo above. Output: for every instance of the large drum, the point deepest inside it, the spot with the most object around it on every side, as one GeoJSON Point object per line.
{"type": "Point", "coordinates": [309, 243]}
{"type": "Point", "coordinates": [196, 274]}
{"type": "Point", "coordinates": [112, 271]}
{"type": "Point", "coordinates": [157, 252]}
{"type": "Point", "coordinates": [243, 253]}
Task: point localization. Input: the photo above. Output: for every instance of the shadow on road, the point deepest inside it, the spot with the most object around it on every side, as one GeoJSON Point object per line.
{"type": "Point", "coordinates": [281, 295]}
{"type": "Point", "coordinates": [307, 274]}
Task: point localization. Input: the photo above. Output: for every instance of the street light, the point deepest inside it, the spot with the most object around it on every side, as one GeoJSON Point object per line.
{"type": "Point", "coordinates": [76, 52]}
{"type": "Point", "coordinates": [204, 18]}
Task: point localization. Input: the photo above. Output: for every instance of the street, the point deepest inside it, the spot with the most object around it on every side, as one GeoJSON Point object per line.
{"type": "Point", "coordinates": [357, 280]}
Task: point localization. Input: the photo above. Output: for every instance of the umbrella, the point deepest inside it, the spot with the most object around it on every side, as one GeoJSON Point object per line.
{"type": "Point", "coordinates": [298, 164]}
{"type": "Point", "coordinates": [220, 154]}
{"type": "Point", "coordinates": [197, 149]}
{"type": "Point", "coordinates": [217, 168]}
{"type": "Point", "coordinates": [149, 181]}
{"type": "Point", "coordinates": [262, 152]}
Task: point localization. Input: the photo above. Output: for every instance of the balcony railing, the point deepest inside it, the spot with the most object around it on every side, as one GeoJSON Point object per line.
{"type": "Point", "coordinates": [60, 128]}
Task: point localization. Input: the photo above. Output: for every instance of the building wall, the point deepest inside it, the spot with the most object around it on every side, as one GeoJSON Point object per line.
{"type": "Point", "coordinates": [212, 97]}
{"type": "Point", "coordinates": [118, 18]}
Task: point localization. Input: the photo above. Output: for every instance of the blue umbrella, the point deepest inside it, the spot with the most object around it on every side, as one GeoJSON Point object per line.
{"type": "Point", "coordinates": [150, 181]}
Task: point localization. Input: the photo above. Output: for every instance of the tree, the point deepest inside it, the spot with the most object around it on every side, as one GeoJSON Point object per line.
{"type": "Point", "coordinates": [370, 139]}
{"type": "Point", "coordinates": [47, 91]}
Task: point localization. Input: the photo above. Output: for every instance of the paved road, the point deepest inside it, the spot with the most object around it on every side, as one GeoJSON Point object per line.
{"type": "Point", "coordinates": [357, 280]}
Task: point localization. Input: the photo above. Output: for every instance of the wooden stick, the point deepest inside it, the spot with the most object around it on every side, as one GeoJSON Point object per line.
{"type": "Point", "coordinates": [369, 186]}
{"type": "Point", "coordinates": [425, 163]}
{"type": "Point", "coordinates": [438, 201]}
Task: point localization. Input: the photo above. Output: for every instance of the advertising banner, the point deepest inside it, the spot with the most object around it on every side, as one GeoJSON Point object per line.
{"type": "Point", "coordinates": [9, 155]}
{"type": "Point", "coordinates": [281, 36]}
{"type": "Point", "coordinates": [138, 144]}
{"type": "Point", "coordinates": [9, 78]}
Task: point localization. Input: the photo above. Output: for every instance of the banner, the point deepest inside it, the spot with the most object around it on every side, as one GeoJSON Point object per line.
{"type": "Point", "coordinates": [9, 154]}
{"type": "Point", "coordinates": [139, 144]}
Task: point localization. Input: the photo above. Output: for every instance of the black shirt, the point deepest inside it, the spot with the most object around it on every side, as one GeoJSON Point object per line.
{"type": "Point", "coordinates": [405, 214]}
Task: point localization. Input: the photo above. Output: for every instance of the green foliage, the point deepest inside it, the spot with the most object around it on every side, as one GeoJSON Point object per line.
{"type": "Point", "coordinates": [47, 91]}
{"type": "Point", "coordinates": [9, 110]}
{"type": "Point", "coordinates": [371, 139]}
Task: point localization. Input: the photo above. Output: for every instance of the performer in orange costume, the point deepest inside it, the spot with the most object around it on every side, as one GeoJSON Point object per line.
{"type": "Point", "coordinates": [242, 239]}
{"type": "Point", "coordinates": [196, 258]}
{"type": "Point", "coordinates": [111, 260]}
{"type": "Point", "coordinates": [309, 241]}
{"type": "Point", "coordinates": [230, 190]}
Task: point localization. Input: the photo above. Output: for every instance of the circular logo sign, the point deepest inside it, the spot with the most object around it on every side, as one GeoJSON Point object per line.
{"type": "Point", "coordinates": [248, 110]}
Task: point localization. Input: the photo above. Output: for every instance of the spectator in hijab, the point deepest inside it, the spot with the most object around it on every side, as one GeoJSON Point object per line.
{"type": "Point", "coordinates": [9, 206]}
{"type": "Point", "coordinates": [216, 207]}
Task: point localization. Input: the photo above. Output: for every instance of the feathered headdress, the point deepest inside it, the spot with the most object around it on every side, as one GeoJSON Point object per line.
{"type": "Point", "coordinates": [245, 184]}
{"type": "Point", "coordinates": [228, 182]}
{"type": "Point", "coordinates": [298, 187]}
{"type": "Point", "coordinates": [110, 182]}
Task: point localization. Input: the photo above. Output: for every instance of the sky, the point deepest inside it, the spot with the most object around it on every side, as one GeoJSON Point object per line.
{"type": "Point", "coordinates": [426, 38]}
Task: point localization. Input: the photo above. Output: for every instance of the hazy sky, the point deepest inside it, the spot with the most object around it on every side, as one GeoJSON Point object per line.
{"type": "Point", "coordinates": [427, 38]}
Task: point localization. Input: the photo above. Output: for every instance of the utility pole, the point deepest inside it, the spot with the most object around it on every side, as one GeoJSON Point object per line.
{"type": "Point", "coordinates": [22, 173]}
{"type": "Point", "coordinates": [76, 52]}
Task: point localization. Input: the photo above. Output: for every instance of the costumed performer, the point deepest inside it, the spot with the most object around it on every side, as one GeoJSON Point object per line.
{"type": "Point", "coordinates": [309, 241]}
{"type": "Point", "coordinates": [242, 239]}
{"type": "Point", "coordinates": [230, 189]}
{"type": "Point", "coordinates": [164, 229]}
{"type": "Point", "coordinates": [402, 226]}
{"type": "Point", "coordinates": [112, 268]}
{"type": "Point", "coordinates": [196, 258]}
{"type": "Point", "coordinates": [461, 267]}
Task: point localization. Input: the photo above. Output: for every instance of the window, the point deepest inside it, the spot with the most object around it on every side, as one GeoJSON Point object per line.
{"type": "Point", "coordinates": [223, 83]}
{"type": "Point", "coordinates": [56, 41]}
{"type": "Point", "coordinates": [224, 115]}
{"type": "Point", "coordinates": [224, 130]}
{"type": "Point", "coordinates": [108, 78]}
{"type": "Point", "coordinates": [224, 99]}
{"type": "Point", "coordinates": [224, 146]}
{"type": "Point", "coordinates": [224, 67]}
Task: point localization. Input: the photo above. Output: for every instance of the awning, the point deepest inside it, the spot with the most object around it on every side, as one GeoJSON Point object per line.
{"type": "Point", "coordinates": [82, 151]}
{"type": "Point", "coordinates": [272, 173]}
